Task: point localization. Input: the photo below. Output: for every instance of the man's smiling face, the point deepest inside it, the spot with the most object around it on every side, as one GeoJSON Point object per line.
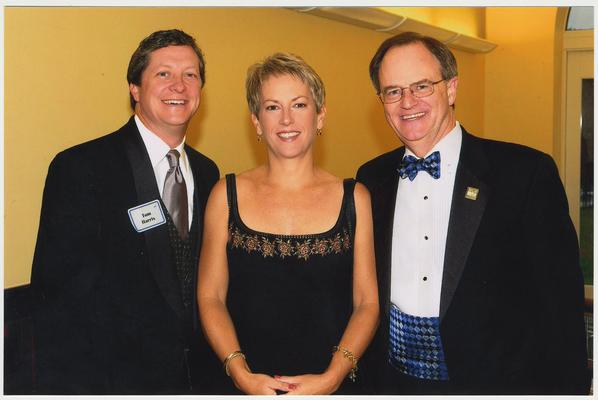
{"type": "Point", "coordinates": [419, 122]}
{"type": "Point", "coordinates": [170, 90]}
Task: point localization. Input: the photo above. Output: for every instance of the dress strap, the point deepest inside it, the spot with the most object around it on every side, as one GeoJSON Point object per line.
{"type": "Point", "coordinates": [349, 199]}
{"type": "Point", "coordinates": [231, 195]}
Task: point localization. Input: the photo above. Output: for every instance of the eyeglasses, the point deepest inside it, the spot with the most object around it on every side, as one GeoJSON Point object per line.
{"type": "Point", "coordinates": [417, 89]}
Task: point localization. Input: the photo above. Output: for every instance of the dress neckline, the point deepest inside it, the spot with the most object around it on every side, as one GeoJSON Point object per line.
{"type": "Point", "coordinates": [235, 210]}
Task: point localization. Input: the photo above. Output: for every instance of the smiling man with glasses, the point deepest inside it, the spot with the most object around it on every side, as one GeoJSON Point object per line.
{"type": "Point", "coordinates": [478, 267]}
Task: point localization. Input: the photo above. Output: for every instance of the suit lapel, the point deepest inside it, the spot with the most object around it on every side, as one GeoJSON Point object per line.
{"type": "Point", "coordinates": [465, 216]}
{"type": "Point", "coordinates": [384, 209]}
{"type": "Point", "coordinates": [200, 195]}
{"type": "Point", "coordinates": [156, 239]}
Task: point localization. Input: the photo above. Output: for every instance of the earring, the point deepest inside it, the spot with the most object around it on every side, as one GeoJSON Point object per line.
{"type": "Point", "coordinates": [259, 138]}
{"type": "Point", "coordinates": [319, 132]}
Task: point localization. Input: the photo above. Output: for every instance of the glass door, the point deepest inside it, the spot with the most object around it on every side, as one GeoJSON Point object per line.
{"type": "Point", "coordinates": [579, 152]}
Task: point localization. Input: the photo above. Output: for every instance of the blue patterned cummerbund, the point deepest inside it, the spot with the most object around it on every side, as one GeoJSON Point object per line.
{"type": "Point", "coordinates": [415, 346]}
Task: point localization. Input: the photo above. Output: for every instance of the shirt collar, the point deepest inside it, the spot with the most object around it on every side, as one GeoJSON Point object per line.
{"type": "Point", "coordinates": [156, 148]}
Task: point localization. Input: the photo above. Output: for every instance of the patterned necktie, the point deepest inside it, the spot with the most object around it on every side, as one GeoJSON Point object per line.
{"type": "Point", "coordinates": [174, 194]}
{"type": "Point", "coordinates": [410, 166]}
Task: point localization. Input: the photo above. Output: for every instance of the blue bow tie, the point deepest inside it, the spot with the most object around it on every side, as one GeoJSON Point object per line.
{"type": "Point", "coordinates": [410, 166]}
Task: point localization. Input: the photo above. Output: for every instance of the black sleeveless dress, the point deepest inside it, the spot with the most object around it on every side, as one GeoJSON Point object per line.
{"type": "Point", "coordinates": [290, 296]}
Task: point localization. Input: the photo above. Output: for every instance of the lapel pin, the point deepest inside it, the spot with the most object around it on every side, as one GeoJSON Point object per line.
{"type": "Point", "coordinates": [472, 193]}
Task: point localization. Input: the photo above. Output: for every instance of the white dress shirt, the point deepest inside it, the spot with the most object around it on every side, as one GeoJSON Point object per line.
{"type": "Point", "coordinates": [420, 227]}
{"type": "Point", "coordinates": [157, 150]}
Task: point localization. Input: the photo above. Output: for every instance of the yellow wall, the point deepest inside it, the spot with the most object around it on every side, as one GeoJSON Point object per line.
{"type": "Point", "coordinates": [465, 20]}
{"type": "Point", "coordinates": [519, 79]}
{"type": "Point", "coordinates": [65, 83]}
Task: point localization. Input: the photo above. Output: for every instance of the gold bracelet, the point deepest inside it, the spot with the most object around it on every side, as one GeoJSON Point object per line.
{"type": "Point", "coordinates": [351, 357]}
{"type": "Point", "coordinates": [229, 358]}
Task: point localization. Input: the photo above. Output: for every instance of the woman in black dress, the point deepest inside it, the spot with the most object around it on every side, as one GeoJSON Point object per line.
{"type": "Point", "coordinates": [287, 285]}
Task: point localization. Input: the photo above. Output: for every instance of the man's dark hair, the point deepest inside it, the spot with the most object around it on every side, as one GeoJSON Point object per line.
{"type": "Point", "coordinates": [448, 64]}
{"type": "Point", "coordinates": [155, 41]}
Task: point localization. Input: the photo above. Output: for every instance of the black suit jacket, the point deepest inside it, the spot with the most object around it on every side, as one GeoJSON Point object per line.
{"type": "Point", "coordinates": [108, 312]}
{"type": "Point", "coordinates": [511, 304]}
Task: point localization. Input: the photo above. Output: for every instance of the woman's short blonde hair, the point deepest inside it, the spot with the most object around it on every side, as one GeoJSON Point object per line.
{"type": "Point", "coordinates": [282, 64]}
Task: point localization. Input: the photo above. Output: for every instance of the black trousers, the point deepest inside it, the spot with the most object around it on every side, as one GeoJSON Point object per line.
{"type": "Point", "coordinates": [389, 381]}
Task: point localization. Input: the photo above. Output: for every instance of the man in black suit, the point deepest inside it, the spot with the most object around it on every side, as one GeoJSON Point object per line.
{"type": "Point", "coordinates": [115, 263]}
{"type": "Point", "coordinates": [478, 265]}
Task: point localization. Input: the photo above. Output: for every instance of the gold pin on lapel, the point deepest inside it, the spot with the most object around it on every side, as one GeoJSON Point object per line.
{"type": "Point", "coordinates": [472, 193]}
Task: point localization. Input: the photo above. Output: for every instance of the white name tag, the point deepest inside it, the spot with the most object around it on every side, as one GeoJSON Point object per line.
{"type": "Point", "coordinates": [147, 216]}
